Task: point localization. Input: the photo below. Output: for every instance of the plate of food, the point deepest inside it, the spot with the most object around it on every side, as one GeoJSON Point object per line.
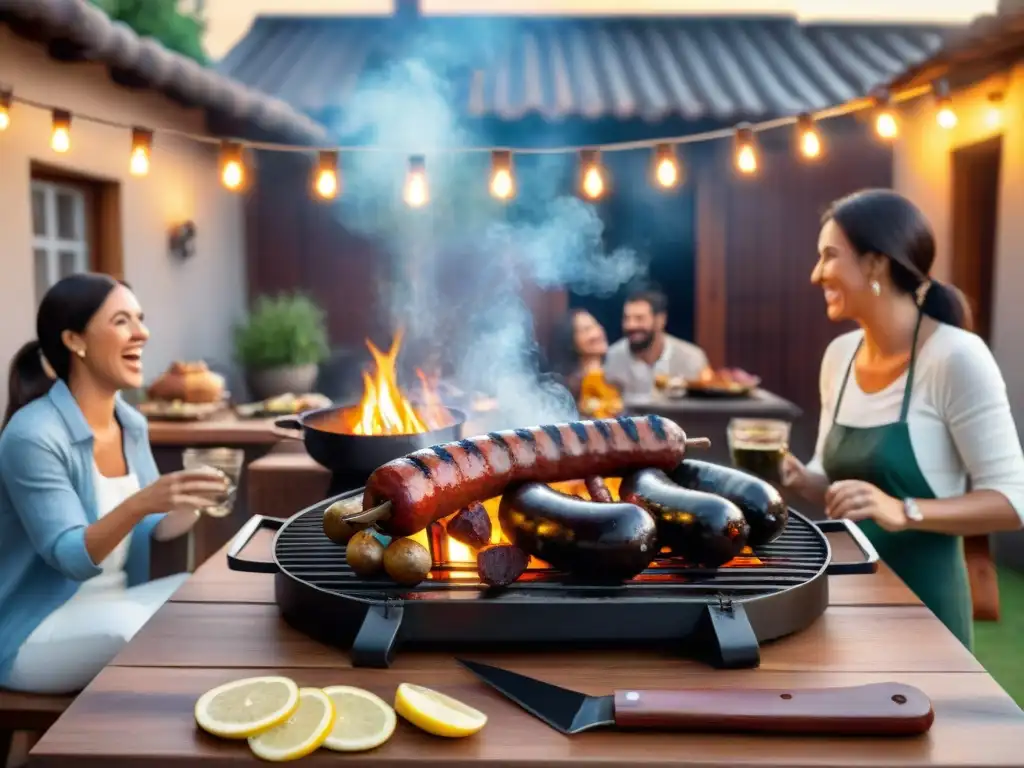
{"type": "Point", "coordinates": [283, 405]}
{"type": "Point", "coordinates": [186, 391]}
{"type": "Point", "coordinates": [723, 382]}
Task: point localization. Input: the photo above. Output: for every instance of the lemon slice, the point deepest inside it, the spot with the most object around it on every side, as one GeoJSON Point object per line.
{"type": "Point", "coordinates": [362, 720]}
{"type": "Point", "coordinates": [244, 708]}
{"type": "Point", "coordinates": [301, 734]}
{"type": "Point", "coordinates": [437, 713]}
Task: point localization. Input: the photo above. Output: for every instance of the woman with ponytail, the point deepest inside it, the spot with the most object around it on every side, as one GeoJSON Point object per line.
{"type": "Point", "coordinates": [916, 442]}
{"type": "Point", "coordinates": [80, 494]}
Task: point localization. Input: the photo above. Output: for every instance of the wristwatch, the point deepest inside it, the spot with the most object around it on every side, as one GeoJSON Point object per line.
{"type": "Point", "coordinates": [912, 511]}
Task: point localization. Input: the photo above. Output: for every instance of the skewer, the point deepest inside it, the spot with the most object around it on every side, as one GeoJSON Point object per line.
{"type": "Point", "coordinates": [381, 511]}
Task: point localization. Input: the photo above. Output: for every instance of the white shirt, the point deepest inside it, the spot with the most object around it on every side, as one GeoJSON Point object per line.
{"type": "Point", "coordinates": [960, 423]}
{"type": "Point", "coordinates": [110, 493]}
{"type": "Point", "coordinates": [633, 376]}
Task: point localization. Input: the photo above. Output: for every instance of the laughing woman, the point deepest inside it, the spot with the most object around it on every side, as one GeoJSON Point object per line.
{"type": "Point", "coordinates": [80, 494]}
{"type": "Point", "coordinates": [916, 441]}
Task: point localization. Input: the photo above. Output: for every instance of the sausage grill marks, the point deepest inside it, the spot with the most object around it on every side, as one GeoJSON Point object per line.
{"type": "Point", "coordinates": [435, 482]}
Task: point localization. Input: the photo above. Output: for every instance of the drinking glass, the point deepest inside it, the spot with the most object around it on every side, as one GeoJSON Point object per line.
{"type": "Point", "coordinates": [758, 447]}
{"type": "Point", "coordinates": [226, 460]}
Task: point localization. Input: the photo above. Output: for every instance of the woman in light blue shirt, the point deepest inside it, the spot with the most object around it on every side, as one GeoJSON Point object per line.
{"type": "Point", "coordinates": [80, 494]}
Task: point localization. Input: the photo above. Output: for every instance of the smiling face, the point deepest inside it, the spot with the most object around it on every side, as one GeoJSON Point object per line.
{"type": "Point", "coordinates": [588, 336]}
{"type": "Point", "coordinates": [844, 276]}
{"type": "Point", "coordinates": [640, 325]}
{"type": "Point", "coordinates": [112, 342]}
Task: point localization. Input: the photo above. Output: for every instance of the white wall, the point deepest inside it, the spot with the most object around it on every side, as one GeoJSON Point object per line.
{"type": "Point", "coordinates": [190, 305]}
{"type": "Point", "coordinates": [923, 172]}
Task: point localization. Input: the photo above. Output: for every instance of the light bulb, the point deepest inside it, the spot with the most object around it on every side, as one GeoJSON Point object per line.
{"type": "Point", "coordinates": [886, 126]}
{"type": "Point", "coordinates": [667, 172]}
{"type": "Point", "coordinates": [501, 184]}
{"type": "Point", "coordinates": [138, 163]}
{"type": "Point", "coordinates": [5, 110]}
{"type": "Point", "coordinates": [946, 118]}
{"type": "Point", "coordinates": [60, 137]}
{"type": "Point", "coordinates": [810, 143]}
{"type": "Point", "coordinates": [327, 183]}
{"type": "Point", "coordinates": [593, 183]}
{"type": "Point", "coordinates": [746, 159]}
{"type": "Point", "coordinates": [232, 174]}
{"type": "Point", "coordinates": [417, 191]}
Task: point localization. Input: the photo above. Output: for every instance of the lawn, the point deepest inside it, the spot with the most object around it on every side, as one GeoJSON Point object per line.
{"type": "Point", "coordinates": [999, 645]}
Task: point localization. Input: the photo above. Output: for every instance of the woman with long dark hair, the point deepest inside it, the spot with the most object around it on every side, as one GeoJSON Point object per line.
{"type": "Point", "coordinates": [80, 494]}
{"type": "Point", "coordinates": [578, 346]}
{"type": "Point", "coordinates": [916, 443]}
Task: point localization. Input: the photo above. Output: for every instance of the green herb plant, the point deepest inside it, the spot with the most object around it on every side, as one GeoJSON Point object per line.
{"type": "Point", "coordinates": [287, 330]}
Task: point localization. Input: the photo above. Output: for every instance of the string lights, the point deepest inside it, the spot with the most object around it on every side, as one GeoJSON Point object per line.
{"type": "Point", "coordinates": [944, 115]}
{"type": "Point", "coordinates": [592, 175]}
{"type": "Point", "coordinates": [746, 152]}
{"type": "Point", "coordinates": [885, 119]}
{"type": "Point", "coordinates": [666, 167]}
{"type": "Point", "coordinates": [232, 166]}
{"type": "Point", "coordinates": [416, 192]}
{"type": "Point", "coordinates": [142, 141]}
{"type": "Point", "coordinates": [807, 135]}
{"type": "Point", "coordinates": [503, 184]}
{"type": "Point", "coordinates": [326, 183]}
{"type": "Point", "coordinates": [5, 110]}
{"type": "Point", "coordinates": [60, 133]}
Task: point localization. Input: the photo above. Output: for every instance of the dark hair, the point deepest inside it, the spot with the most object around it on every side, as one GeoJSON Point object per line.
{"type": "Point", "coordinates": [69, 305]}
{"type": "Point", "coordinates": [563, 356]}
{"type": "Point", "coordinates": [657, 300]}
{"type": "Point", "coordinates": [884, 222]}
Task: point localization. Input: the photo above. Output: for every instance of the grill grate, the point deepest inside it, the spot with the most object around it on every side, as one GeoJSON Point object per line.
{"type": "Point", "coordinates": [306, 554]}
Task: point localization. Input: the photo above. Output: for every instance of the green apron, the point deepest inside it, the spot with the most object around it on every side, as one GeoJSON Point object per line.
{"type": "Point", "coordinates": [931, 564]}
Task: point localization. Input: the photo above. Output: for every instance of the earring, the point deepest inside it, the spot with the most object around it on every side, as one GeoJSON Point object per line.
{"type": "Point", "coordinates": [80, 353]}
{"type": "Point", "coordinates": [876, 288]}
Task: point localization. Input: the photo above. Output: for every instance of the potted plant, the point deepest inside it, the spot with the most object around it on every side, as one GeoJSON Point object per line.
{"type": "Point", "coordinates": [281, 345]}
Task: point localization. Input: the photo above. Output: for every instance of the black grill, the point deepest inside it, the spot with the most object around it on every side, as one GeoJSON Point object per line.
{"type": "Point", "coordinates": [722, 614]}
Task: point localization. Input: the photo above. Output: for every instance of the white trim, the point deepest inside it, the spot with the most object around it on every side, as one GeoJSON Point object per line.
{"type": "Point", "coordinates": [50, 242]}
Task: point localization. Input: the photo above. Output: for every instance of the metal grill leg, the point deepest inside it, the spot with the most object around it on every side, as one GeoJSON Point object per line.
{"type": "Point", "coordinates": [374, 646]}
{"type": "Point", "coordinates": [725, 634]}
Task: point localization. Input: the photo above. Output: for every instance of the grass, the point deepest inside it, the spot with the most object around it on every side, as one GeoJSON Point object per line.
{"type": "Point", "coordinates": [998, 645]}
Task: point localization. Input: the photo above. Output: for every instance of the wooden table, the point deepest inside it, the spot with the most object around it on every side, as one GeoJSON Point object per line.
{"type": "Point", "coordinates": [169, 438]}
{"type": "Point", "coordinates": [223, 625]}
{"type": "Point", "coordinates": [709, 417]}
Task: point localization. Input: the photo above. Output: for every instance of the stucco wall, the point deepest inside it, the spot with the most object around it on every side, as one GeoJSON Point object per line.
{"type": "Point", "coordinates": [190, 305]}
{"type": "Point", "coordinates": [923, 171]}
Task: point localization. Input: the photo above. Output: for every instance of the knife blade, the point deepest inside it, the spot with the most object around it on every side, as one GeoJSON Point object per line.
{"type": "Point", "coordinates": [876, 709]}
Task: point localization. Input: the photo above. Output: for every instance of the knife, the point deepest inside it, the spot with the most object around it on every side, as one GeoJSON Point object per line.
{"type": "Point", "coordinates": [877, 709]}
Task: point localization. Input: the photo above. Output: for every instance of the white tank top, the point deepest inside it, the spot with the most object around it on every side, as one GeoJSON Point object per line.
{"type": "Point", "coordinates": [110, 493]}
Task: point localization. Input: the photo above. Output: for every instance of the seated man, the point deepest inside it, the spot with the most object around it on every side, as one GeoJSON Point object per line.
{"type": "Point", "coordinates": [646, 350]}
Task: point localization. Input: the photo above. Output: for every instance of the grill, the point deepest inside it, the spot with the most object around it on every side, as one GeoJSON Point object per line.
{"type": "Point", "coordinates": [721, 615]}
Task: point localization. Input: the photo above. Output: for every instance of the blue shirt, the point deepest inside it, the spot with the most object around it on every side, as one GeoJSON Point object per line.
{"type": "Point", "coordinates": [46, 501]}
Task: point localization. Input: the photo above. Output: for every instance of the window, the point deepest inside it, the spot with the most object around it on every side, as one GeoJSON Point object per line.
{"type": "Point", "coordinates": [60, 229]}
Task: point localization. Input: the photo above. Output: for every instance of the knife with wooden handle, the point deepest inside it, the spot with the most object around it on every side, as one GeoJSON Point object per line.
{"type": "Point", "coordinates": [878, 709]}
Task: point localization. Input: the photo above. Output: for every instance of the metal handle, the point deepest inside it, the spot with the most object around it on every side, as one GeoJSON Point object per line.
{"type": "Point", "coordinates": [870, 562]}
{"type": "Point", "coordinates": [241, 541]}
{"type": "Point", "coordinates": [289, 427]}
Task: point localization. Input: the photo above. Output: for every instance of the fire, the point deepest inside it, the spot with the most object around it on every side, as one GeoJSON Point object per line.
{"type": "Point", "coordinates": [385, 409]}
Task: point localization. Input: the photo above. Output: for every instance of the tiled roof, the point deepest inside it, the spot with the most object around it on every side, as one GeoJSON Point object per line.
{"type": "Point", "coordinates": [697, 69]}
{"type": "Point", "coordinates": [79, 24]}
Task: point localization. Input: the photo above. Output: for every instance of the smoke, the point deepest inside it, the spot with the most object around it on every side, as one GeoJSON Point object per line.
{"type": "Point", "coordinates": [459, 264]}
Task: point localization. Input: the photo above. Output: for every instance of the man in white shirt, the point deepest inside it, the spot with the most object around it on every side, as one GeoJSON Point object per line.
{"type": "Point", "coordinates": [646, 350]}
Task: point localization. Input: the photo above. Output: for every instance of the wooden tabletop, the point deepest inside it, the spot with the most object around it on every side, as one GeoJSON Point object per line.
{"type": "Point", "coordinates": [223, 625]}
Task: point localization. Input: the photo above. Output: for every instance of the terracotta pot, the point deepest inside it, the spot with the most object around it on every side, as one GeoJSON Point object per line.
{"type": "Point", "coordinates": [270, 382]}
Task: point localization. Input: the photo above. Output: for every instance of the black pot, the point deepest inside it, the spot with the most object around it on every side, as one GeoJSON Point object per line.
{"type": "Point", "coordinates": [358, 455]}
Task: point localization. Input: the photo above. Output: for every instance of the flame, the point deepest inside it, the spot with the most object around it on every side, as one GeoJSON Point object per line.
{"type": "Point", "coordinates": [385, 409]}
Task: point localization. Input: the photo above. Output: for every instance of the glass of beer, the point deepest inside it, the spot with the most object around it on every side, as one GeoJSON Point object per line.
{"type": "Point", "coordinates": [227, 461]}
{"type": "Point", "coordinates": [758, 446]}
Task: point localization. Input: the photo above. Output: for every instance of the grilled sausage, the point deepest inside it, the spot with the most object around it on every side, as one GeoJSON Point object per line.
{"type": "Point", "coordinates": [760, 503]}
{"type": "Point", "coordinates": [432, 483]}
{"type": "Point", "coordinates": [602, 541]}
{"type": "Point", "coordinates": [702, 528]}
